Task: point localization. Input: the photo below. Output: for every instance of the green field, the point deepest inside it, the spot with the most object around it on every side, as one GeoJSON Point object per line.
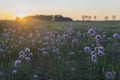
{"type": "Point", "coordinates": [37, 50]}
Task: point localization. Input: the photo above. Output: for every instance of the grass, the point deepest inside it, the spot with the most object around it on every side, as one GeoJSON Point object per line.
{"type": "Point", "coordinates": [58, 50]}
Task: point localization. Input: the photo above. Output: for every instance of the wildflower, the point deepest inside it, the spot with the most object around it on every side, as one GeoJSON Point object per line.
{"type": "Point", "coordinates": [91, 32]}
{"type": "Point", "coordinates": [59, 57]}
{"type": "Point", "coordinates": [1, 50]}
{"type": "Point", "coordinates": [21, 56]}
{"type": "Point", "coordinates": [87, 49]}
{"type": "Point", "coordinates": [45, 43]}
{"type": "Point", "coordinates": [104, 35]}
{"type": "Point", "coordinates": [72, 53]}
{"type": "Point", "coordinates": [27, 49]}
{"type": "Point", "coordinates": [27, 58]}
{"type": "Point", "coordinates": [116, 36]}
{"type": "Point", "coordinates": [101, 48]}
{"type": "Point", "coordinates": [93, 53]}
{"type": "Point", "coordinates": [98, 37]}
{"type": "Point", "coordinates": [68, 62]}
{"type": "Point", "coordinates": [14, 71]}
{"type": "Point", "coordinates": [38, 34]}
{"type": "Point", "coordinates": [17, 63]}
{"type": "Point", "coordinates": [39, 41]}
{"type": "Point", "coordinates": [72, 69]}
{"type": "Point", "coordinates": [96, 49]}
{"type": "Point", "coordinates": [109, 75]}
{"type": "Point", "coordinates": [21, 53]}
{"type": "Point", "coordinates": [35, 76]}
{"type": "Point", "coordinates": [101, 53]}
{"type": "Point", "coordinates": [30, 54]}
{"type": "Point", "coordinates": [75, 41]}
{"type": "Point", "coordinates": [94, 58]}
{"type": "Point", "coordinates": [30, 35]}
{"type": "Point", "coordinates": [1, 74]}
{"type": "Point", "coordinates": [79, 34]}
{"type": "Point", "coordinates": [98, 45]}
{"type": "Point", "coordinates": [44, 53]}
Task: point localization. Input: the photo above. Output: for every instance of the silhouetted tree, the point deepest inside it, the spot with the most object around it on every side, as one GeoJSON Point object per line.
{"type": "Point", "coordinates": [113, 17]}
{"type": "Point", "coordinates": [95, 17]}
{"type": "Point", "coordinates": [83, 18]}
{"type": "Point", "coordinates": [89, 18]}
{"type": "Point", "coordinates": [86, 17]}
{"type": "Point", "coordinates": [106, 18]}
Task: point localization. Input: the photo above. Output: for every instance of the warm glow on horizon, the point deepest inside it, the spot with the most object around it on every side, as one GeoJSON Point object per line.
{"type": "Point", "coordinates": [21, 15]}
{"type": "Point", "coordinates": [9, 9]}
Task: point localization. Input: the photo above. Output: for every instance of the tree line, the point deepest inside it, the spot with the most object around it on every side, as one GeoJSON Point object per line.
{"type": "Point", "coordinates": [49, 18]}
{"type": "Point", "coordinates": [88, 18]}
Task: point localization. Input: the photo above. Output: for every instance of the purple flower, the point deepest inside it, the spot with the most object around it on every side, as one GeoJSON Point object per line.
{"type": "Point", "coordinates": [14, 71]}
{"type": "Point", "coordinates": [94, 58]}
{"type": "Point", "coordinates": [27, 49]}
{"type": "Point", "coordinates": [35, 76]}
{"type": "Point", "coordinates": [101, 48]}
{"type": "Point", "coordinates": [98, 37]}
{"type": "Point", "coordinates": [101, 53]}
{"type": "Point", "coordinates": [109, 75]}
{"type": "Point", "coordinates": [30, 54]}
{"type": "Point", "coordinates": [17, 63]}
{"type": "Point", "coordinates": [87, 49]}
{"type": "Point", "coordinates": [27, 58]}
{"type": "Point", "coordinates": [21, 56]}
{"type": "Point", "coordinates": [96, 49]}
{"type": "Point", "coordinates": [92, 53]}
{"type": "Point", "coordinates": [91, 31]}
{"type": "Point", "coordinates": [1, 73]}
{"type": "Point", "coordinates": [116, 36]}
{"type": "Point", "coordinates": [1, 50]}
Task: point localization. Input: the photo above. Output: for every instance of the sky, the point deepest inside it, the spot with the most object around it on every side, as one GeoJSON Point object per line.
{"type": "Point", "coordinates": [9, 9]}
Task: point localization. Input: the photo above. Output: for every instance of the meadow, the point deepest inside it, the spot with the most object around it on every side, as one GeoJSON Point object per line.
{"type": "Point", "coordinates": [37, 50]}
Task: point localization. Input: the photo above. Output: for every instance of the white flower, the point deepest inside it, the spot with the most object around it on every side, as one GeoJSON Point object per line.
{"type": "Point", "coordinates": [44, 53]}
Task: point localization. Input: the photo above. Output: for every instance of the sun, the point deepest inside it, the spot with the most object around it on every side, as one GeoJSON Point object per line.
{"type": "Point", "coordinates": [21, 15]}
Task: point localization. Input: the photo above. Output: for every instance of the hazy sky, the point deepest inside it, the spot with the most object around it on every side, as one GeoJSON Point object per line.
{"type": "Point", "coordinates": [71, 8]}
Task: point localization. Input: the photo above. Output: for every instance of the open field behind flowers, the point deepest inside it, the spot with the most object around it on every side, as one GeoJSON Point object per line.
{"type": "Point", "coordinates": [33, 50]}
